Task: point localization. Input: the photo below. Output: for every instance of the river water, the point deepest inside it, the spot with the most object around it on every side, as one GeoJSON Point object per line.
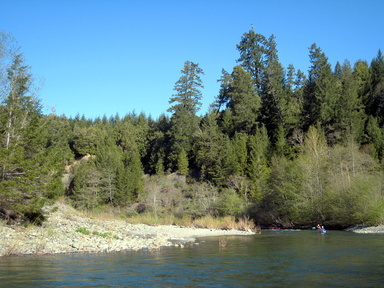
{"type": "Point", "coordinates": [271, 259]}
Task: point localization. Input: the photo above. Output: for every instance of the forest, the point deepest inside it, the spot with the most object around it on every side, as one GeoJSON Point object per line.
{"type": "Point", "coordinates": [278, 146]}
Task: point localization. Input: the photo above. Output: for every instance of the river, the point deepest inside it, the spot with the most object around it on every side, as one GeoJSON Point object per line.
{"type": "Point", "coordinates": [271, 259]}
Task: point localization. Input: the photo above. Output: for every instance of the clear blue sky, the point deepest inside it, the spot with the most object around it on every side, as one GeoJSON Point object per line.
{"type": "Point", "coordinates": [102, 57]}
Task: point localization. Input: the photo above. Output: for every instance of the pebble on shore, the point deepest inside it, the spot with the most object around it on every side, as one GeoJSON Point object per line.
{"type": "Point", "coordinates": [67, 231]}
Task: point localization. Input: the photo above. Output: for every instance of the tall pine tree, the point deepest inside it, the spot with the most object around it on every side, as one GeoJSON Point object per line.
{"type": "Point", "coordinates": [274, 102]}
{"type": "Point", "coordinates": [252, 48]}
{"type": "Point", "coordinates": [185, 103]}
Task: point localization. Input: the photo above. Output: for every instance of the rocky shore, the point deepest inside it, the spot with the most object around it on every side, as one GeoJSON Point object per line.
{"type": "Point", "coordinates": [365, 229]}
{"type": "Point", "coordinates": [67, 231]}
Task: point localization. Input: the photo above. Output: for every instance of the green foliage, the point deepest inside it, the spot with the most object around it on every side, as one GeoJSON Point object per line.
{"type": "Point", "coordinates": [293, 108]}
{"type": "Point", "coordinates": [282, 195]}
{"type": "Point", "coordinates": [355, 194]}
{"type": "Point", "coordinates": [349, 108]}
{"type": "Point", "coordinates": [188, 94]}
{"type": "Point", "coordinates": [209, 150]}
{"type": "Point", "coordinates": [159, 168]}
{"type": "Point", "coordinates": [130, 178]}
{"type": "Point", "coordinates": [274, 104]}
{"type": "Point", "coordinates": [108, 162]}
{"type": "Point", "coordinates": [257, 163]}
{"type": "Point", "coordinates": [321, 91]}
{"type": "Point", "coordinates": [85, 140]}
{"type": "Point", "coordinates": [158, 146]}
{"type": "Point", "coordinates": [375, 97]}
{"type": "Point", "coordinates": [375, 136]}
{"type": "Point", "coordinates": [183, 127]}
{"type": "Point", "coordinates": [239, 151]}
{"type": "Point", "coordinates": [33, 211]}
{"type": "Point", "coordinates": [31, 165]}
{"type": "Point", "coordinates": [182, 163]}
{"type": "Point", "coordinates": [184, 122]}
{"type": "Point", "coordinates": [86, 190]}
{"type": "Point", "coordinates": [230, 203]}
{"type": "Point", "coordinates": [341, 185]}
{"type": "Point", "coordinates": [221, 100]}
{"type": "Point", "coordinates": [252, 49]}
{"type": "Point", "coordinates": [244, 103]}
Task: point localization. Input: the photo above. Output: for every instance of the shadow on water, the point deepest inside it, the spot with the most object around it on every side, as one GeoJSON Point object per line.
{"type": "Point", "coordinates": [271, 259]}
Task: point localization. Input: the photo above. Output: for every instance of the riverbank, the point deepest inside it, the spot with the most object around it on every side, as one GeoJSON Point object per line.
{"type": "Point", "coordinates": [68, 231]}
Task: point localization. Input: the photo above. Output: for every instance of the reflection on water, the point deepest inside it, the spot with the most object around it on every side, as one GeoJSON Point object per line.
{"type": "Point", "coordinates": [271, 259]}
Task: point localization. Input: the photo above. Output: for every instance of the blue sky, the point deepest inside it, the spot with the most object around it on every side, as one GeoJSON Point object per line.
{"type": "Point", "coordinates": [100, 57]}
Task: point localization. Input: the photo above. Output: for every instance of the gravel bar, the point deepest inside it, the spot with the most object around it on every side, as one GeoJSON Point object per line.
{"type": "Point", "coordinates": [67, 231]}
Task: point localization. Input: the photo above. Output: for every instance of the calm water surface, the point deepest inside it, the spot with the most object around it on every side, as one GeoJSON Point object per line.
{"type": "Point", "coordinates": [272, 259]}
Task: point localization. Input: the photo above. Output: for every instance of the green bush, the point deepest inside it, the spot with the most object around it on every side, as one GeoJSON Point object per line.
{"type": "Point", "coordinates": [229, 203]}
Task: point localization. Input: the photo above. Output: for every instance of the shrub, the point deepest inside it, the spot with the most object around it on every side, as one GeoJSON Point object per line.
{"type": "Point", "coordinates": [230, 203]}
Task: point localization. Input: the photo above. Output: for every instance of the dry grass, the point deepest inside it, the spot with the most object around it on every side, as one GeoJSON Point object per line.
{"type": "Point", "coordinates": [227, 223]}
{"type": "Point", "coordinates": [245, 223]}
{"type": "Point", "coordinates": [209, 222]}
{"type": "Point", "coordinates": [108, 212]}
{"type": "Point", "coordinates": [62, 200]}
{"type": "Point", "coordinates": [150, 219]}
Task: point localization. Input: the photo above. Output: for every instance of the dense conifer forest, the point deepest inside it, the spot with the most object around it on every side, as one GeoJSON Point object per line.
{"type": "Point", "coordinates": [278, 145]}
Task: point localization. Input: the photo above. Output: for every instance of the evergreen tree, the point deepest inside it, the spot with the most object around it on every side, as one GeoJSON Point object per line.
{"type": "Point", "coordinates": [86, 192]}
{"type": "Point", "coordinates": [108, 162]}
{"type": "Point", "coordinates": [182, 163]}
{"type": "Point", "coordinates": [293, 89]}
{"type": "Point", "coordinates": [221, 100]}
{"type": "Point", "coordinates": [188, 94]}
{"type": "Point", "coordinates": [321, 93]}
{"type": "Point", "coordinates": [252, 48]}
{"type": "Point", "coordinates": [274, 102]}
{"type": "Point", "coordinates": [349, 110]}
{"type": "Point", "coordinates": [375, 135]}
{"type": "Point", "coordinates": [55, 154]}
{"type": "Point", "coordinates": [257, 162]}
{"type": "Point", "coordinates": [22, 152]}
{"type": "Point", "coordinates": [132, 142]}
{"type": "Point", "coordinates": [225, 122]}
{"type": "Point", "coordinates": [209, 150]}
{"type": "Point", "coordinates": [244, 103]}
{"type": "Point", "coordinates": [338, 70]}
{"type": "Point", "coordinates": [362, 77]}
{"type": "Point", "coordinates": [239, 148]}
{"type": "Point", "coordinates": [186, 102]}
{"type": "Point", "coordinates": [130, 181]}
{"type": "Point", "coordinates": [86, 138]}
{"type": "Point", "coordinates": [376, 95]}
{"type": "Point", "coordinates": [158, 145]}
